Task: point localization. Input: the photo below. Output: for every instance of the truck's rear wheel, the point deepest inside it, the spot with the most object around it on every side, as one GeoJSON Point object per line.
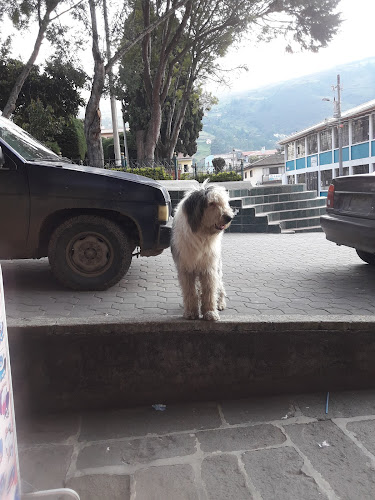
{"type": "Point", "coordinates": [89, 253]}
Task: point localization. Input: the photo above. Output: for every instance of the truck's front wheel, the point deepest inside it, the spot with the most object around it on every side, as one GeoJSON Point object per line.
{"type": "Point", "coordinates": [89, 253]}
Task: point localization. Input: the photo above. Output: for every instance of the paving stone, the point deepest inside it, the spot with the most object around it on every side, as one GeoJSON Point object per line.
{"type": "Point", "coordinates": [223, 478]}
{"type": "Point", "coordinates": [240, 438]}
{"type": "Point", "coordinates": [258, 409]}
{"type": "Point", "coordinates": [364, 431]}
{"type": "Point", "coordinates": [101, 487]}
{"type": "Point", "coordinates": [342, 464]}
{"type": "Point", "coordinates": [45, 467]}
{"type": "Point", "coordinates": [340, 404]}
{"type": "Point", "coordinates": [136, 451]}
{"type": "Point", "coordinates": [277, 473]}
{"type": "Point", "coordinates": [46, 429]}
{"type": "Point", "coordinates": [147, 420]}
{"type": "Point", "coordinates": [175, 482]}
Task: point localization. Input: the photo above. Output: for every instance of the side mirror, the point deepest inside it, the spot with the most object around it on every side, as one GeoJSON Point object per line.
{"type": "Point", "coordinates": [2, 159]}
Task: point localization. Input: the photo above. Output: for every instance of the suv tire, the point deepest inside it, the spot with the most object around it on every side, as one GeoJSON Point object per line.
{"type": "Point", "coordinates": [89, 253]}
{"type": "Point", "coordinates": [367, 257]}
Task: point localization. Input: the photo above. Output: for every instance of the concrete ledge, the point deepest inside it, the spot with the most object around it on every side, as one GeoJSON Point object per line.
{"type": "Point", "coordinates": [62, 365]}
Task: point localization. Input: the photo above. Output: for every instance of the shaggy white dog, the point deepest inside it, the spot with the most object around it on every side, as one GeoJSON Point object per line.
{"type": "Point", "coordinates": [198, 226]}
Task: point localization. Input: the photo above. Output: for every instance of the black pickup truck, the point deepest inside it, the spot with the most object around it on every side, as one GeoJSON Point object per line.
{"type": "Point", "coordinates": [88, 221]}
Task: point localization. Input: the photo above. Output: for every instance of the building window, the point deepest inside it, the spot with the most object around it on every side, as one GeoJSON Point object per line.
{"type": "Point", "coordinates": [361, 169]}
{"type": "Point", "coordinates": [326, 140]}
{"type": "Point", "coordinates": [360, 130]}
{"type": "Point", "coordinates": [186, 169]}
{"type": "Point", "coordinates": [301, 178]}
{"type": "Point", "coordinates": [345, 171]}
{"type": "Point", "coordinates": [312, 144]}
{"type": "Point", "coordinates": [273, 170]}
{"type": "Point", "coordinates": [290, 151]}
{"type": "Point", "coordinates": [291, 179]}
{"type": "Point", "coordinates": [325, 178]}
{"type": "Point", "coordinates": [373, 126]}
{"type": "Point", "coordinates": [251, 173]}
{"type": "Point", "coordinates": [245, 175]}
{"type": "Point", "coordinates": [312, 181]}
{"type": "Point", "coordinates": [300, 146]}
{"type": "Point", "coordinates": [344, 135]}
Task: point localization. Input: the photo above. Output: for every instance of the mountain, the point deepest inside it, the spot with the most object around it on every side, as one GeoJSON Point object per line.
{"type": "Point", "coordinates": [249, 120]}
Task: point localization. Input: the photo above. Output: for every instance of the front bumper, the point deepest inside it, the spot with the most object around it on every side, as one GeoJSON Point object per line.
{"type": "Point", "coordinates": [350, 231]}
{"type": "Point", "coordinates": [164, 241]}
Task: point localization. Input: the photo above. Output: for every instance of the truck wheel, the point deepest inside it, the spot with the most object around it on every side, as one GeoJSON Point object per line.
{"type": "Point", "coordinates": [89, 253]}
{"type": "Point", "coordinates": [367, 257]}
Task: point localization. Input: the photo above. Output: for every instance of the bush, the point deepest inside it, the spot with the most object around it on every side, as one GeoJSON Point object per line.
{"type": "Point", "coordinates": [157, 173]}
{"type": "Point", "coordinates": [220, 177]}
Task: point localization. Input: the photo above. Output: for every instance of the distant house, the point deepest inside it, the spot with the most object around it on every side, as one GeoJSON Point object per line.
{"type": "Point", "coordinates": [268, 170]}
{"type": "Point", "coordinates": [262, 153]}
{"type": "Point", "coordinates": [312, 155]}
{"type": "Point", "coordinates": [185, 164]}
{"type": "Point", "coordinates": [107, 133]}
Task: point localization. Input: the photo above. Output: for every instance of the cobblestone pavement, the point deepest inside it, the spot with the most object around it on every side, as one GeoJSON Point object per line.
{"type": "Point", "coordinates": [284, 448]}
{"type": "Point", "coordinates": [264, 275]}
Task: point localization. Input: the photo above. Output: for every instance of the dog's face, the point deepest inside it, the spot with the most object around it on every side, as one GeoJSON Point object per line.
{"type": "Point", "coordinates": [208, 210]}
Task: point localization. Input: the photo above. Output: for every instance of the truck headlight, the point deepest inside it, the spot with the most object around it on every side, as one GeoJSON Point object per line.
{"type": "Point", "coordinates": [163, 213]}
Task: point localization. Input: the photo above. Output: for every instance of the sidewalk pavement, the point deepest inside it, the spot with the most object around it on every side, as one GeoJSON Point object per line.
{"type": "Point", "coordinates": [265, 275]}
{"type": "Point", "coordinates": [284, 448]}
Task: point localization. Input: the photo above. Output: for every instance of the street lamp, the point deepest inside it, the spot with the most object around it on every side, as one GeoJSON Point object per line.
{"type": "Point", "coordinates": [337, 114]}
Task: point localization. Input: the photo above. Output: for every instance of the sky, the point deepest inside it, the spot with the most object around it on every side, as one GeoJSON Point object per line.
{"type": "Point", "coordinates": [269, 63]}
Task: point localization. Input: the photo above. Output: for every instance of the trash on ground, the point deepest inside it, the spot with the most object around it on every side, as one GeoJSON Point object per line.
{"type": "Point", "coordinates": [325, 444]}
{"type": "Point", "coordinates": [159, 407]}
{"type": "Point", "coordinates": [284, 418]}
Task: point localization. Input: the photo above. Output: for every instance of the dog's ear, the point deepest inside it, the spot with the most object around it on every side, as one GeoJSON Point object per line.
{"type": "Point", "coordinates": [194, 207]}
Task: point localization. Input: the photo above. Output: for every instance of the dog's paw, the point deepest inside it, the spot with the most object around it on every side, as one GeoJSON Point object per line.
{"type": "Point", "coordinates": [211, 316]}
{"type": "Point", "coordinates": [191, 315]}
{"type": "Point", "coordinates": [221, 305]}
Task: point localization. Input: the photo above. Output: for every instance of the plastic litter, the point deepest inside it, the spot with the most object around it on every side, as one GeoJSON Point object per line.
{"type": "Point", "coordinates": [327, 401]}
{"type": "Point", "coordinates": [159, 407]}
{"type": "Point", "coordinates": [284, 418]}
{"type": "Point", "coordinates": [325, 444]}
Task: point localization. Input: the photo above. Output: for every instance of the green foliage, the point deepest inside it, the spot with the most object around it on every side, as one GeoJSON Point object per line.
{"type": "Point", "coordinates": [40, 121]}
{"type": "Point", "coordinates": [72, 140]}
{"type": "Point", "coordinates": [218, 164]}
{"type": "Point", "coordinates": [157, 173]}
{"type": "Point", "coordinates": [220, 177]}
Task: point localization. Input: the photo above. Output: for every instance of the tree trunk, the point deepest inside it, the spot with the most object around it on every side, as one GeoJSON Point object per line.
{"type": "Point", "coordinates": [92, 115]}
{"type": "Point", "coordinates": [11, 103]}
{"type": "Point", "coordinates": [140, 141]}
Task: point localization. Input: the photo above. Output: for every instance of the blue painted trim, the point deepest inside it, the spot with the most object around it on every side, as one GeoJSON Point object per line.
{"type": "Point", "coordinates": [325, 158]}
{"type": "Point", "coordinates": [373, 148]}
{"type": "Point", "coordinates": [309, 160]}
{"type": "Point", "coordinates": [324, 193]}
{"type": "Point", "coordinates": [300, 163]}
{"type": "Point", "coordinates": [289, 165]}
{"type": "Point", "coordinates": [360, 151]}
{"type": "Point", "coordinates": [345, 155]}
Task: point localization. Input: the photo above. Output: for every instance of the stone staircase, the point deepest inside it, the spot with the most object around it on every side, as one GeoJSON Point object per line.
{"type": "Point", "coordinates": [276, 209]}
{"type": "Point", "coordinates": [265, 209]}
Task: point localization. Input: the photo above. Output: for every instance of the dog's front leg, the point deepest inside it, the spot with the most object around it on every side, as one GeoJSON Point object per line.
{"type": "Point", "coordinates": [209, 297]}
{"type": "Point", "coordinates": [221, 302]}
{"type": "Point", "coordinates": [189, 294]}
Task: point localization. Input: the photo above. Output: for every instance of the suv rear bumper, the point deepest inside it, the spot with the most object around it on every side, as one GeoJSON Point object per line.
{"type": "Point", "coordinates": [352, 232]}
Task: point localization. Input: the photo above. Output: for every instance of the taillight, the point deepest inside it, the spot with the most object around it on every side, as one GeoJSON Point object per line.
{"type": "Point", "coordinates": [330, 196]}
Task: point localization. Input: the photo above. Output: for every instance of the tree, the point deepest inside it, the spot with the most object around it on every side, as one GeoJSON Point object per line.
{"type": "Point", "coordinates": [218, 164]}
{"type": "Point", "coordinates": [23, 13]}
{"type": "Point", "coordinates": [192, 42]}
{"type": "Point", "coordinates": [57, 86]}
{"type": "Point", "coordinates": [101, 70]}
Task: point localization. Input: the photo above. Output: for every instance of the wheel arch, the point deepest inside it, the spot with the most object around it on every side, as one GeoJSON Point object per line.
{"type": "Point", "coordinates": [128, 224]}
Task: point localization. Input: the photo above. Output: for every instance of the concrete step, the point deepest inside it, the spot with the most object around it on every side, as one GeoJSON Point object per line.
{"type": "Point", "coordinates": [267, 190]}
{"type": "Point", "coordinates": [281, 197]}
{"type": "Point", "coordinates": [295, 214]}
{"type": "Point", "coordinates": [312, 229]}
{"type": "Point", "coordinates": [300, 222]}
{"type": "Point", "coordinates": [289, 205]}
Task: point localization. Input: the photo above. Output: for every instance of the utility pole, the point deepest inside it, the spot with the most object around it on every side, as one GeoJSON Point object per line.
{"type": "Point", "coordinates": [337, 114]}
{"type": "Point", "coordinates": [116, 140]}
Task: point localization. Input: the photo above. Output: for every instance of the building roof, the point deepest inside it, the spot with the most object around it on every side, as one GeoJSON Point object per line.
{"type": "Point", "coordinates": [268, 161]}
{"type": "Point", "coordinates": [356, 112]}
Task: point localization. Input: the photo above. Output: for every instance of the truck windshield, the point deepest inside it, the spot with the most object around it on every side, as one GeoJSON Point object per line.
{"type": "Point", "coordinates": [23, 143]}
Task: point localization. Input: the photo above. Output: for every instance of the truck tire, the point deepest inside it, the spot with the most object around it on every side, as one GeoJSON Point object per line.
{"type": "Point", "coordinates": [89, 253]}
